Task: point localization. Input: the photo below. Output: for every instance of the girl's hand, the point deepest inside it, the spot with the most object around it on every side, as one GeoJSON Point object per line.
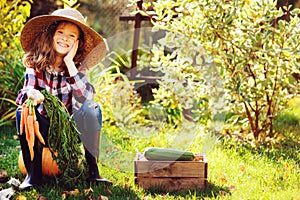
{"type": "Point", "coordinates": [68, 59]}
{"type": "Point", "coordinates": [36, 95]}
{"type": "Point", "coordinates": [72, 52]}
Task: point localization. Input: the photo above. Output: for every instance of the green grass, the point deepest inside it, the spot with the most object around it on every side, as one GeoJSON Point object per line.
{"type": "Point", "coordinates": [234, 172]}
{"type": "Point", "coordinates": [255, 176]}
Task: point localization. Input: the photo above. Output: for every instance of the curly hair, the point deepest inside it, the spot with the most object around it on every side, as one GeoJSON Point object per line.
{"type": "Point", "coordinates": [42, 54]}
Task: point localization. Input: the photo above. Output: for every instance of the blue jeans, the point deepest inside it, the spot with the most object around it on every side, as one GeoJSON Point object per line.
{"type": "Point", "coordinates": [88, 120]}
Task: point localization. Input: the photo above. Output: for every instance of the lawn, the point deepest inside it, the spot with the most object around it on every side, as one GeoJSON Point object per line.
{"type": "Point", "coordinates": [235, 171]}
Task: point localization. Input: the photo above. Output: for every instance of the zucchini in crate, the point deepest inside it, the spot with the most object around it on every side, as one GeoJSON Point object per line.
{"type": "Point", "coordinates": [165, 154]}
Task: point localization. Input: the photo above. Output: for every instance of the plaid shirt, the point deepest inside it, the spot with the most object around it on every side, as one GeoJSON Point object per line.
{"type": "Point", "coordinates": [72, 91]}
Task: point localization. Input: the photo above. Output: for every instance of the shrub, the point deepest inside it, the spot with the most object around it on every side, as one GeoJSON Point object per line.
{"type": "Point", "coordinates": [254, 52]}
{"type": "Point", "coordinates": [13, 16]}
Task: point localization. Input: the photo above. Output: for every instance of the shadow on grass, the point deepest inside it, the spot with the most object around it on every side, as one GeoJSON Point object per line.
{"type": "Point", "coordinates": [51, 190]}
{"type": "Point", "coordinates": [210, 191]}
{"type": "Point", "coordinates": [285, 144]}
{"type": "Point", "coordinates": [276, 149]}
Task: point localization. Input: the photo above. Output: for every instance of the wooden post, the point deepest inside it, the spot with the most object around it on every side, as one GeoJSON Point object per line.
{"type": "Point", "coordinates": [138, 18]}
{"type": "Point", "coordinates": [136, 40]}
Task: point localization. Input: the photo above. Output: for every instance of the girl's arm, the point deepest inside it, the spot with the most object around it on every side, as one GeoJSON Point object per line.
{"type": "Point", "coordinates": [81, 87]}
{"type": "Point", "coordinates": [28, 90]}
{"type": "Point", "coordinates": [29, 83]}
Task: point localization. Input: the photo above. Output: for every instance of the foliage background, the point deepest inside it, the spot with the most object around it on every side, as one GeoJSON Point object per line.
{"type": "Point", "coordinates": [13, 15]}
{"type": "Point", "coordinates": [258, 83]}
{"type": "Point", "coordinates": [255, 51]}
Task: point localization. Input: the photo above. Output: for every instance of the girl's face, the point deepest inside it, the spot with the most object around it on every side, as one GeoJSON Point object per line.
{"type": "Point", "coordinates": [65, 36]}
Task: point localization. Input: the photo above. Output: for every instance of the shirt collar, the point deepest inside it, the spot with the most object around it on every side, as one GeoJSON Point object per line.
{"type": "Point", "coordinates": [53, 72]}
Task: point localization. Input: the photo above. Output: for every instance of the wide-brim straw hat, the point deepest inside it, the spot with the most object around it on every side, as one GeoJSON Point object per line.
{"type": "Point", "coordinates": [94, 47]}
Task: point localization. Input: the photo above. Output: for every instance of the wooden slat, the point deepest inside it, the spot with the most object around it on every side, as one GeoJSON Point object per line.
{"type": "Point", "coordinates": [132, 18]}
{"type": "Point", "coordinates": [171, 169]}
{"type": "Point", "coordinates": [171, 184]}
{"type": "Point", "coordinates": [141, 157]}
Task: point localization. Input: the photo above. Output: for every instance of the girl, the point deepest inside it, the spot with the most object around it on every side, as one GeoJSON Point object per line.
{"type": "Point", "coordinates": [58, 48]}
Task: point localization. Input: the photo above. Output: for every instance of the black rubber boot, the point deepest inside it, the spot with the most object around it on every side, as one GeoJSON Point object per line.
{"type": "Point", "coordinates": [33, 167]}
{"type": "Point", "coordinates": [94, 176]}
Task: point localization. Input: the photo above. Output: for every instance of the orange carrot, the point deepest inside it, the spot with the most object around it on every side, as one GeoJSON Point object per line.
{"type": "Point", "coordinates": [22, 123]}
{"type": "Point", "coordinates": [29, 108]}
{"type": "Point", "coordinates": [31, 135]}
{"type": "Point", "coordinates": [25, 110]}
{"type": "Point", "coordinates": [33, 113]}
{"type": "Point", "coordinates": [37, 132]}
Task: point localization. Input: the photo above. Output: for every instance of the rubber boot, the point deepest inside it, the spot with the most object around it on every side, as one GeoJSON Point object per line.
{"type": "Point", "coordinates": [94, 176]}
{"type": "Point", "coordinates": [33, 167]}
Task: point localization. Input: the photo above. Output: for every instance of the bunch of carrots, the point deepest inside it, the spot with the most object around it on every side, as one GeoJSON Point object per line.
{"type": "Point", "coordinates": [30, 124]}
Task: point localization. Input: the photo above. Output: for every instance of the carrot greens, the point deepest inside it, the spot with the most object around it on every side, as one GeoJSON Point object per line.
{"type": "Point", "coordinates": [63, 139]}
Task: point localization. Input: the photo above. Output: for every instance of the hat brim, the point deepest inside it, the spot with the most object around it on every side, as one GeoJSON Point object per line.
{"type": "Point", "coordinates": [95, 47]}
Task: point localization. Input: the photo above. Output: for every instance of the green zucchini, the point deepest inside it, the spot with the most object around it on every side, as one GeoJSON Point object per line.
{"type": "Point", "coordinates": [165, 154]}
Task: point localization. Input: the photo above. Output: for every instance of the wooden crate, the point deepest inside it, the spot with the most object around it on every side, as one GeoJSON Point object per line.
{"type": "Point", "coordinates": [170, 176]}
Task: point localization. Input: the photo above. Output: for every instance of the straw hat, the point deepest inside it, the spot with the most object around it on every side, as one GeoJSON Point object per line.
{"type": "Point", "coordinates": [94, 47]}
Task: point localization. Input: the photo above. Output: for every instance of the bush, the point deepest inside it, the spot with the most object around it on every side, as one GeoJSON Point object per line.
{"type": "Point", "coordinates": [13, 16]}
{"type": "Point", "coordinates": [255, 54]}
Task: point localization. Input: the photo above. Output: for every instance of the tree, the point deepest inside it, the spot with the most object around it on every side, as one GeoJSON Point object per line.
{"type": "Point", "coordinates": [255, 54]}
